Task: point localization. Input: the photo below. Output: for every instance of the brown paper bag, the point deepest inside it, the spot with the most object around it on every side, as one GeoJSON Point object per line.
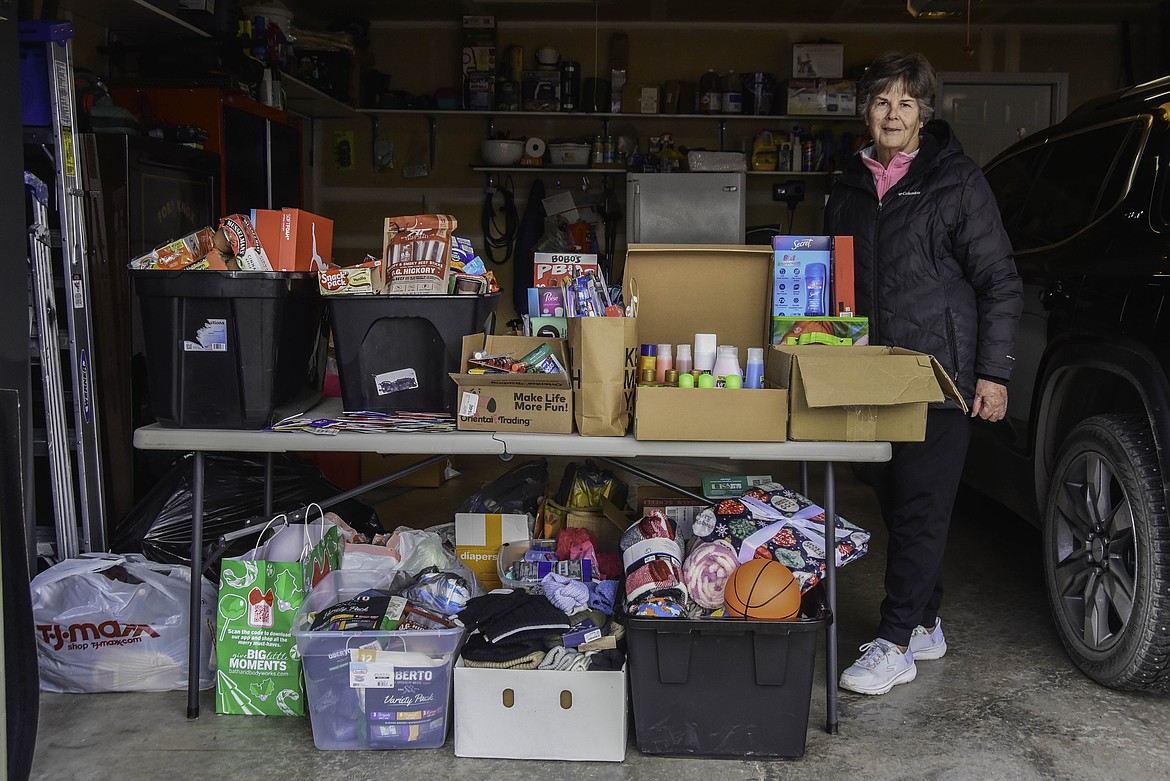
{"type": "Point", "coordinates": [603, 354]}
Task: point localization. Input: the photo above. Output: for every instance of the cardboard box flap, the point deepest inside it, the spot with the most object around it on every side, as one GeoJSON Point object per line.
{"type": "Point", "coordinates": [867, 379]}
{"type": "Point", "coordinates": [683, 289]}
{"type": "Point", "coordinates": [949, 389]}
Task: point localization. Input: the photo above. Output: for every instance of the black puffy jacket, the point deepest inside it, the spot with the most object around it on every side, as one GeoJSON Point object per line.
{"type": "Point", "coordinates": [934, 268]}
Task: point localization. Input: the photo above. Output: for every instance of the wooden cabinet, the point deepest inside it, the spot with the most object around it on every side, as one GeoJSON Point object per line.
{"type": "Point", "coordinates": [260, 148]}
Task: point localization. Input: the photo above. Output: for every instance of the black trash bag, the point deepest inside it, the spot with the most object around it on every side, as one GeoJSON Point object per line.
{"type": "Point", "coordinates": [519, 490]}
{"type": "Point", "coordinates": [159, 526]}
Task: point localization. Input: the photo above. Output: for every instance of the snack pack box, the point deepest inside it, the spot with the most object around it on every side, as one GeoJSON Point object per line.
{"type": "Point", "coordinates": [367, 278]}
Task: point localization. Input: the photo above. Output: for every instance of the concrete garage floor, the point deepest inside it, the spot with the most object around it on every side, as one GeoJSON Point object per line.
{"type": "Point", "coordinates": [1005, 703]}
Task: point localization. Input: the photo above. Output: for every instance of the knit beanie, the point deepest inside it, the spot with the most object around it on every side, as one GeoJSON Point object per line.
{"type": "Point", "coordinates": [564, 659]}
{"type": "Point", "coordinates": [565, 594]}
{"type": "Point", "coordinates": [483, 609]}
{"type": "Point", "coordinates": [515, 617]}
{"type": "Point", "coordinates": [478, 649]}
{"type": "Point", "coordinates": [595, 617]}
{"type": "Point", "coordinates": [611, 659]}
{"type": "Point", "coordinates": [529, 662]}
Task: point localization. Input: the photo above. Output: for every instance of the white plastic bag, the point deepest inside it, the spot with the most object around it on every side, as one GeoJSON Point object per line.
{"type": "Point", "coordinates": [119, 623]}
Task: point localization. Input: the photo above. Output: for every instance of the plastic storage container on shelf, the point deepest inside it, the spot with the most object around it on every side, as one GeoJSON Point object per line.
{"type": "Point", "coordinates": [413, 713]}
{"type": "Point", "coordinates": [395, 353]}
{"type": "Point", "coordinates": [722, 687]}
{"type": "Point", "coordinates": [225, 348]}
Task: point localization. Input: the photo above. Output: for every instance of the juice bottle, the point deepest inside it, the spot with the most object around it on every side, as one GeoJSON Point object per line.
{"type": "Point", "coordinates": [710, 93]}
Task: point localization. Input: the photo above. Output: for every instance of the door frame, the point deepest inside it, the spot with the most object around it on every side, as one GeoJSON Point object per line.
{"type": "Point", "coordinates": [1057, 82]}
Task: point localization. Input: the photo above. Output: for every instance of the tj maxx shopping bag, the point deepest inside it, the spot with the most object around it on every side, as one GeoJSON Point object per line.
{"type": "Point", "coordinates": [118, 623]}
{"type": "Point", "coordinates": [259, 669]}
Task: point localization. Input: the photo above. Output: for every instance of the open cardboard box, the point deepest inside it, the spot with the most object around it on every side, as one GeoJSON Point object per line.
{"type": "Point", "coordinates": [541, 714]}
{"type": "Point", "coordinates": [537, 403]}
{"type": "Point", "coordinates": [295, 240]}
{"type": "Point", "coordinates": [858, 394]}
{"type": "Point", "coordinates": [684, 289]}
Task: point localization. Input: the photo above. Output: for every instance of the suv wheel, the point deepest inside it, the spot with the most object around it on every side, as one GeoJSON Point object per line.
{"type": "Point", "coordinates": [1107, 552]}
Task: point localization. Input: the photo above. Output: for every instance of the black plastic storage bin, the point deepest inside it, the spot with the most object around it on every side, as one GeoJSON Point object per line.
{"type": "Point", "coordinates": [394, 353]}
{"type": "Point", "coordinates": [722, 687]}
{"type": "Point", "coordinates": [225, 348]}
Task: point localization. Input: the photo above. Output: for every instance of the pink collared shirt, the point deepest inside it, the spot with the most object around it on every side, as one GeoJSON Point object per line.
{"type": "Point", "coordinates": [885, 178]}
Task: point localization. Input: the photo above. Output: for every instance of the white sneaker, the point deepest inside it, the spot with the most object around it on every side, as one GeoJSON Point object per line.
{"type": "Point", "coordinates": [881, 667]}
{"type": "Point", "coordinates": [928, 644]}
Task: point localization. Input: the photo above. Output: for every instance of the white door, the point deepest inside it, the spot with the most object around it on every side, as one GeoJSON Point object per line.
{"type": "Point", "coordinates": [991, 111]}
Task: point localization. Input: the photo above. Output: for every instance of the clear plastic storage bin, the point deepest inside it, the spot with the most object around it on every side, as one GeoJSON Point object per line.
{"type": "Point", "coordinates": [413, 712]}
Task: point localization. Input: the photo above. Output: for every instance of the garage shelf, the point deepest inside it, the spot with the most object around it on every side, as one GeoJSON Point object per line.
{"type": "Point", "coordinates": [134, 18]}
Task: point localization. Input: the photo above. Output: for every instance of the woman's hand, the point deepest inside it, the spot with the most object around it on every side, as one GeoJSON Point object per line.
{"type": "Point", "coordinates": [990, 401]}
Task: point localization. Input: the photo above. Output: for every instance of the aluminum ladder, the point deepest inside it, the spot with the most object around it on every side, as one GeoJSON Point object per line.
{"type": "Point", "coordinates": [56, 38]}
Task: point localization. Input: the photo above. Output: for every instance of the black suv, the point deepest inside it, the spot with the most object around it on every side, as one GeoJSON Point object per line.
{"type": "Point", "coordinates": [1085, 449]}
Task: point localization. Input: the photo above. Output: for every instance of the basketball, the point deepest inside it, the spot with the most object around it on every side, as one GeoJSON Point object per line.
{"type": "Point", "coordinates": [764, 590]}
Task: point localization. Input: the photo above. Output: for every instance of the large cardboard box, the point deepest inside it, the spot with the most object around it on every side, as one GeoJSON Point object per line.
{"type": "Point", "coordinates": [532, 403]}
{"type": "Point", "coordinates": [858, 394]}
{"type": "Point", "coordinates": [478, 537]}
{"type": "Point", "coordinates": [711, 414]}
{"type": "Point", "coordinates": [684, 289]}
{"type": "Point", "coordinates": [540, 714]}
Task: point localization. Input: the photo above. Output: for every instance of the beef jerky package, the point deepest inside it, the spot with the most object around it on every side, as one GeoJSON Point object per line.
{"type": "Point", "coordinates": [417, 251]}
{"type": "Point", "coordinates": [237, 233]}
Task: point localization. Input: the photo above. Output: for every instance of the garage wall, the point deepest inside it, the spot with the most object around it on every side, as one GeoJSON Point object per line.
{"type": "Point", "coordinates": [422, 57]}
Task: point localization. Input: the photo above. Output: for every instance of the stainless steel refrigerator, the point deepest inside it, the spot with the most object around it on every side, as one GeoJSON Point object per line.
{"type": "Point", "coordinates": [690, 208]}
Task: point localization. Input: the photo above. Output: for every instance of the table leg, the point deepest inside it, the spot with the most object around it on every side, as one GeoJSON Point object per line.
{"type": "Point", "coordinates": [831, 595]}
{"type": "Point", "coordinates": [804, 477]}
{"type": "Point", "coordinates": [268, 485]}
{"type": "Point", "coordinates": [195, 610]}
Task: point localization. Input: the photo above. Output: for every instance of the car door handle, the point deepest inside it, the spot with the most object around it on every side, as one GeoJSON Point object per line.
{"type": "Point", "coordinates": [1053, 296]}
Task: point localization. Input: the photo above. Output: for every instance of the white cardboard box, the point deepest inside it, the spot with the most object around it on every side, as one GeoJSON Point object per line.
{"type": "Point", "coordinates": [540, 714]}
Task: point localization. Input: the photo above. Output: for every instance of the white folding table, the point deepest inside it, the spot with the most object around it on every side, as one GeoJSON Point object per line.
{"type": "Point", "coordinates": [441, 445]}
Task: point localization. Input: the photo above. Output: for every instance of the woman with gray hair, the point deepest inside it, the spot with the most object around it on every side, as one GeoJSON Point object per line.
{"type": "Point", "coordinates": [934, 273]}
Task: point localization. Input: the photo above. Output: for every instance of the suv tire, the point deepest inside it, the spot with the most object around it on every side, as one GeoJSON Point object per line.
{"type": "Point", "coordinates": [1107, 552]}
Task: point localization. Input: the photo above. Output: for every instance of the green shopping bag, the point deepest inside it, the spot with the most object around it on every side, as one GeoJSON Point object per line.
{"type": "Point", "coordinates": [259, 669]}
